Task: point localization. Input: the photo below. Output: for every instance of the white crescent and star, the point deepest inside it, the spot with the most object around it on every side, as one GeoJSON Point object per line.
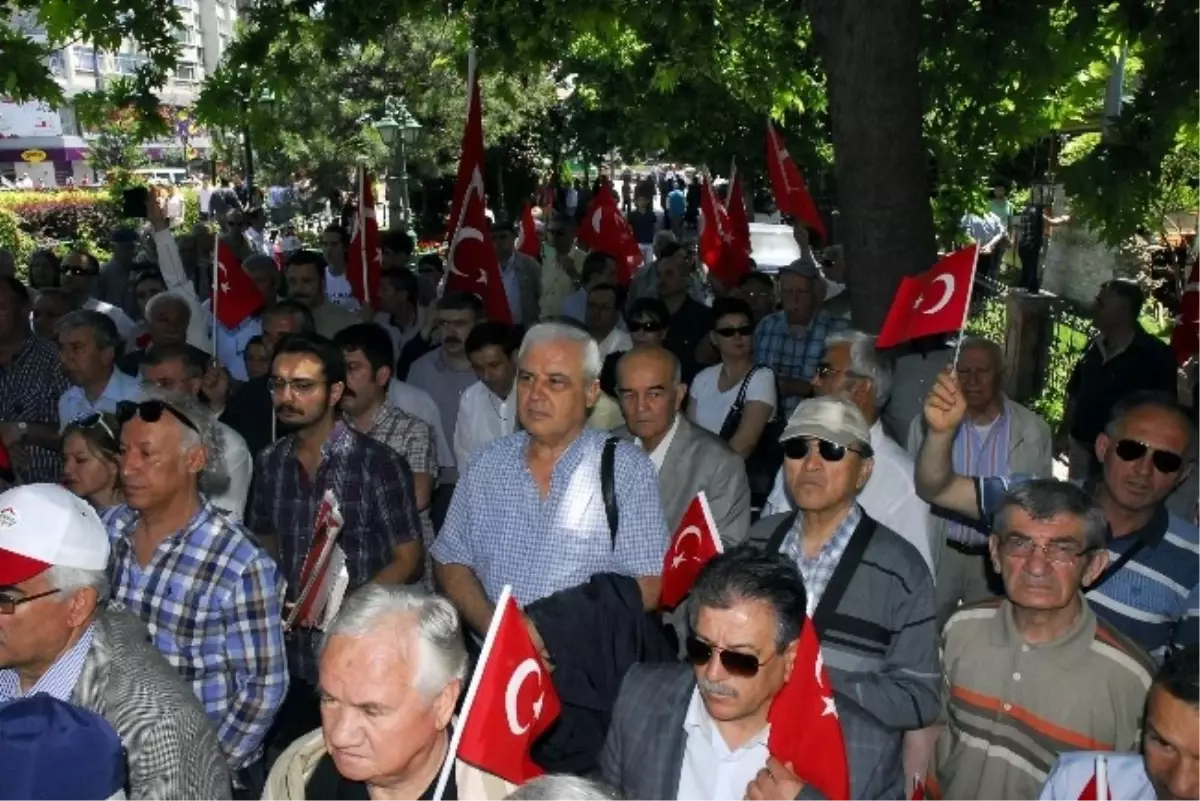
{"type": "Point", "coordinates": [524, 670]}
{"type": "Point", "coordinates": [596, 218]}
{"type": "Point", "coordinates": [948, 281]}
{"type": "Point", "coordinates": [475, 187]}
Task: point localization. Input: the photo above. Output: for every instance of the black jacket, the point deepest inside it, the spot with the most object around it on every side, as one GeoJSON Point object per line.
{"type": "Point", "coordinates": [250, 412]}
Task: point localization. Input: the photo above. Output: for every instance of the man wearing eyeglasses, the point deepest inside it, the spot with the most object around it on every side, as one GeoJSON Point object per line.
{"type": "Point", "coordinates": [870, 593]}
{"type": "Point", "coordinates": [1037, 673]}
{"type": "Point", "coordinates": [1151, 589]}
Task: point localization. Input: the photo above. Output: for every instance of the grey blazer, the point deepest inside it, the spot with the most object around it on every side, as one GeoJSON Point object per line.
{"type": "Point", "coordinates": [699, 460]}
{"type": "Point", "coordinates": [171, 748]}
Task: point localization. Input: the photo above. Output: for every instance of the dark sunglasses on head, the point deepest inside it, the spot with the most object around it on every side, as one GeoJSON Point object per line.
{"type": "Point", "coordinates": [646, 327]}
{"type": "Point", "coordinates": [1130, 450]}
{"type": "Point", "coordinates": [736, 331]}
{"type": "Point", "coordinates": [151, 411]}
{"type": "Point", "coordinates": [736, 663]}
{"type": "Point", "coordinates": [830, 451]}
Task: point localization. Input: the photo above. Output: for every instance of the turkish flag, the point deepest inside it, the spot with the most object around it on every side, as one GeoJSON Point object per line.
{"type": "Point", "coordinates": [739, 220]}
{"type": "Point", "coordinates": [604, 228]}
{"type": "Point", "coordinates": [933, 302]}
{"type": "Point", "coordinates": [527, 238]}
{"type": "Point", "coordinates": [805, 729]}
{"type": "Point", "coordinates": [237, 296]}
{"type": "Point", "coordinates": [1185, 337]}
{"type": "Point", "coordinates": [791, 193]}
{"type": "Point", "coordinates": [471, 260]}
{"type": "Point", "coordinates": [1097, 788]}
{"type": "Point", "coordinates": [726, 255]}
{"type": "Point", "coordinates": [511, 701]}
{"type": "Point", "coordinates": [364, 262]}
{"type": "Point", "coordinates": [694, 543]}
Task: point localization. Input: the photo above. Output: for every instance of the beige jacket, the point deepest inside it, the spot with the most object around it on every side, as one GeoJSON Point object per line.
{"type": "Point", "coordinates": [296, 765]}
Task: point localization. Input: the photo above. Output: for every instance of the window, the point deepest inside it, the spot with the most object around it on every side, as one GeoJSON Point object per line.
{"type": "Point", "coordinates": [185, 72]}
{"type": "Point", "coordinates": [85, 59]}
{"type": "Point", "coordinates": [185, 36]}
{"type": "Point", "coordinates": [128, 63]}
{"type": "Point", "coordinates": [56, 64]}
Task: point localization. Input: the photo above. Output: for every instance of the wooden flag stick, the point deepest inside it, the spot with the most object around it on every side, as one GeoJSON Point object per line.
{"type": "Point", "coordinates": [966, 309]}
{"type": "Point", "coordinates": [362, 234]}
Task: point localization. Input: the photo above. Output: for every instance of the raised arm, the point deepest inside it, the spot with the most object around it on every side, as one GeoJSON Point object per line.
{"type": "Point", "coordinates": [937, 483]}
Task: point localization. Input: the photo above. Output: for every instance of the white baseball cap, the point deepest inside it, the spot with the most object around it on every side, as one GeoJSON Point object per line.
{"type": "Point", "coordinates": [44, 526]}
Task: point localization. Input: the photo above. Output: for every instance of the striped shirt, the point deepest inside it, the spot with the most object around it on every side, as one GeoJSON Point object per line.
{"type": "Point", "coordinates": [791, 355]}
{"type": "Point", "coordinates": [1154, 597]}
{"type": "Point", "coordinates": [976, 455]}
{"type": "Point", "coordinates": [1011, 708]}
{"type": "Point", "coordinates": [59, 679]}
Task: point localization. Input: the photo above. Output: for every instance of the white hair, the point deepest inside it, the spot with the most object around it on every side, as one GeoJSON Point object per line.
{"type": "Point", "coordinates": [564, 787]}
{"type": "Point", "coordinates": [866, 361]}
{"type": "Point", "coordinates": [991, 347]}
{"type": "Point", "coordinates": [214, 479]}
{"type": "Point", "coordinates": [169, 297]}
{"type": "Point", "coordinates": [561, 332]}
{"type": "Point", "coordinates": [74, 578]}
{"type": "Point", "coordinates": [439, 637]}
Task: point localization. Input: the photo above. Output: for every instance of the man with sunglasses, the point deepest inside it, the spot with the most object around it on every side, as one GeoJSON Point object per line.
{"type": "Point", "coordinates": [80, 272]}
{"type": "Point", "coordinates": [870, 592]}
{"type": "Point", "coordinates": [1037, 673]}
{"type": "Point", "coordinates": [1151, 589]}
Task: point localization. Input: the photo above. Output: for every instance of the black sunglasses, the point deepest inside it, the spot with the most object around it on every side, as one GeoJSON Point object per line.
{"type": "Point", "coordinates": [736, 663]}
{"type": "Point", "coordinates": [738, 331]}
{"type": "Point", "coordinates": [830, 451]}
{"type": "Point", "coordinates": [84, 271]}
{"type": "Point", "coordinates": [1130, 450]}
{"type": "Point", "coordinates": [151, 411]}
{"type": "Point", "coordinates": [646, 327]}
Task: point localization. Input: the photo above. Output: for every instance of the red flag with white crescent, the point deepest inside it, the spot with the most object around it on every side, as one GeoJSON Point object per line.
{"type": "Point", "coordinates": [695, 542]}
{"type": "Point", "coordinates": [527, 237]}
{"type": "Point", "coordinates": [1185, 337]}
{"type": "Point", "coordinates": [791, 192]}
{"type": "Point", "coordinates": [604, 228]}
{"type": "Point", "coordinates": [739, 220]}
{"type": "Point", "coordinates": [934, 302]}
{"type": "Point", "coordinates": [236, 296]}
{"type": "Point", "coordinates": [364, 262]}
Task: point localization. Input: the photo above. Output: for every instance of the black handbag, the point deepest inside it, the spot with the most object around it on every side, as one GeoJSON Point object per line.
{"type": "Point", "coordinates": [767, 457]}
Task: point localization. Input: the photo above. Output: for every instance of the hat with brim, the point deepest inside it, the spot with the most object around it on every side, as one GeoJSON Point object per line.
{"type": "Point", "coordinates": [832, 419]}
{"type": "Point", "coordinates": [45, 525]}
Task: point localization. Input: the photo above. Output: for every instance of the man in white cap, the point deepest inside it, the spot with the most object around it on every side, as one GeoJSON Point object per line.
{"type": "Point", "coordinates": [59, 636]}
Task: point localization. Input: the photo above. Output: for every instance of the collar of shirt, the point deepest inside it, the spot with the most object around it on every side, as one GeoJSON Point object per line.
{"type": "Point", "coordinates": [698, 722]}
{"type": "Point", "coordinates": [1068, 650]}
{"type": "Point", "coordinates": [119, 387]}
{"type": "Point", "coordinates": [660, 453]}
{"type": "Point", "coordinates": [59, 679]}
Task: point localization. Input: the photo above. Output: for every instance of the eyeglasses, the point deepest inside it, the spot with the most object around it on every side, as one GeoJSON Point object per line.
{"type": "Point", "coordinates": [93, 419]}
{"type": "Point", "coordinates": [300, 386]}
{"type": "Point", "coordinates": [825, 370]}
{"type": "Point", "coordinates": [1130, 450]}
{"type": "Point", "coordinates": [8, 604]}
{"type": "Point", "coordinates": [737, 331]}
{"type": "Point", "coordinates": [829, 451]}
{"type": "Point", "coordinates": [151, 411]}
{"type": "Point", "coordinates": [80, 271]}
{"type": "Point", "coordinates": [1060, 553]}
{"type": "Point", "coordinates": [736, 663]}
{"type": "Point", "coordinates": [646, 327]}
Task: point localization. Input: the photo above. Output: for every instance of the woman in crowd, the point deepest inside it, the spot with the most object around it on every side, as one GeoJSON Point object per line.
{"type": "Point", "coordinates": [90, 469]}
{"type": "Point", "coordinates": [44, 269]}
{"type": "Point", "coordinates": [716, 390]}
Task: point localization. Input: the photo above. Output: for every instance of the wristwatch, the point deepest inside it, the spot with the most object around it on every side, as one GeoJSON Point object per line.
{"type": "Point", "coordinates": [22, 428]}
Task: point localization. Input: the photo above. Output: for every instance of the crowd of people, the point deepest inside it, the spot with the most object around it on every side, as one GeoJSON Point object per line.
{"type": "Point", "coordinates": [987, 629]}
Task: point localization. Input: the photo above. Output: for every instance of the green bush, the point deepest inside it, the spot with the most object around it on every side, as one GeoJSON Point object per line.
{"type": "Point", "coordinates": [13, 239]}
{"type": "Point", "coordinates": [56, 218]}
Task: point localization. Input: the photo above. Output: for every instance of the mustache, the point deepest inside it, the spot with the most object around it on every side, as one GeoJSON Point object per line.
{"type": "Point", "coordinates": [451, 339]}
{"type": "Point", "coordinates": [287, 408]}
{"type": "Point", "coordinates": [716, 688]}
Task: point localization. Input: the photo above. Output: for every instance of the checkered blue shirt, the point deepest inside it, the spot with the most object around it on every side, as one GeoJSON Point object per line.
{"type": "Point", "coordinates": [211, 600]}
{"type": "Point", "coordinates": [818, 570]}
{"type": "Point", "coordinates": [499, 526]}
{"type": "Point", "coordinates": [59, 679]}
{"type": "Point", "coordinates": [794, 356]}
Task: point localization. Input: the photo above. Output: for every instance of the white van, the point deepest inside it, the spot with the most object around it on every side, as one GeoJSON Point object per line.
{"type": "Point", "coordinates": [163, 175]}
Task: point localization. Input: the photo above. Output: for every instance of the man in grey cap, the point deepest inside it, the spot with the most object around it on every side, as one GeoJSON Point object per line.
{"type": "Point", "coordinates": [870, 593]}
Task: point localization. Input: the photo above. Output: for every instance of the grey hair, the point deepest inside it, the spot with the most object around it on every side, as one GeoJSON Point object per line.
{"type": "Point", "coordinates": [866, 361]}
{"type": "Point", "coordinates": [101, 325]}
{"type": "Point", "coordinates": [1147, 399]}
{"type": "Point", "coordinates": [443, 656]}
{"type": "Point", "coordinates": [561, 332]}
{"type": "Point", "coordinates": [1046, 498]}
{"type": "Point", "coordinates": [73, 578]}
{"type": "Point", "coordinates": [565, 787]}
{"type": "Point", "coordinates": [214, 479]}
{"type": "Point", "coordinates": [983, 343]}
{"type": "Point", "coordinates": [168, 297]}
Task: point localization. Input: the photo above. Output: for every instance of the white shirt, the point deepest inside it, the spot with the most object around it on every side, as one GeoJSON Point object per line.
{"type": "Point", "coordinates": [239, 465]}
{"type": "Point", "coordinates": [890, 496]}
{"type": "Point", "coordinates": [258, 241]}
{"type": "Point", "coordinates": [660, 453]}
{"type": "Point", "coordinates": [339, 291]}
{"type": "Point", "coordinates": [74, 403]}
{"type": "Point", "coordinates": [1126, 776]}
{"type": "Point", "coordinates": [231, 344]}
{"type": "Point", "coordinates": [482, 417]}
{"type": "Point", "coordinates": [125, 326]}
{"type": "Point", "coordinates": [401, 336]}
{"type": "Point", "coordinates": [419, 404]}
{"type": "Point", "coordinates": [617, 341]}
{"type": "Point", "coordinates": [709, 769]}
{"type": "Point", "coordinates": [710, 407]}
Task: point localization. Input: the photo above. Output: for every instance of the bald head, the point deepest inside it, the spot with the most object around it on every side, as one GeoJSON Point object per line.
{"type": "Point", "coordinates": [650, 357]}
{"type": "Point", "coordinates": [650, 390]}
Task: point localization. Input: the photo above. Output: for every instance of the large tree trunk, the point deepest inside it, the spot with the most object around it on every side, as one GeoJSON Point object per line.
{"type": "Point", "coordinates": [869, 49]}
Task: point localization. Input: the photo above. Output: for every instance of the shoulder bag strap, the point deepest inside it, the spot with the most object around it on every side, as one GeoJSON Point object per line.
{"type": "Point", "coordinates": [781, 531]}
{"type": "Point", "coordinates": [608, 466]}
{"type": "Point", "coordinates": [1112, 569]}
{"type": "Point", "coordinates": [739, 403]}
{"type": "Point", "coordinates": [847, 566]}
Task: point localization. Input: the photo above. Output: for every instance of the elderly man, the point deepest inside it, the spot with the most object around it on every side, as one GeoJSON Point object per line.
{"type": "Point", "coordinates": [853, 369]}
{"type": "Point", "coordinates": [1151, 588]}
{"type": "Point", "coordinates": [700, 730]}
{"type": "Point", "coordinates": [790, 341]}
{"type": "Point", "coordinates": [1168, 766]}
{"type": "Point", "coordinates": [546, 508]}
{"type": "Point", "coordinates": [999, 437]}
{"type": "Point", "coordinates": [392, 668]}
{"type": "Point", "coordinates": [520, 275]}
{"type": "Point", "coordinates": [307, 277]}
{"type": "Point", "coordinates": [651, 392]}
{"type": "Point", "coordinates": [211, 597]}
{"type": "Point", "coordinates": [870, 593]}
{"type": "Point", "coordinates": [59, 636]}
{"type": "Point", "coordinates": [1023, 674]}
{"type": "Point", "coordinates": [168, 322]}
{"type": "Point", "coordinates": [87, 345]}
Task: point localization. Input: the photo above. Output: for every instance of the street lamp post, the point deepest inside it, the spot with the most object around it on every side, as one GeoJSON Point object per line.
{"type": "Point", "coordinates": [398, 126]}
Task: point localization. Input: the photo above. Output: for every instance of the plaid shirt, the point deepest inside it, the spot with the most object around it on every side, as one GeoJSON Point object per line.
{"type": "Point", "coordinates": [500, 526]}
{"type": "Point", "coordinates": [818, 570]}
{"type": "Point", "coordinates": [30, 386]}
{"type": "Point", "coordinates": [211, 599]}
{"type": "Point", "coordinates": [793, 356]}
{"type": "Point", "coordinates": [373, 485]}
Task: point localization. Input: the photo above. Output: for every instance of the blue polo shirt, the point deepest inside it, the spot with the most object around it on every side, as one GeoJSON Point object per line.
{"type": "Point", "coordinates": [1154, 597]}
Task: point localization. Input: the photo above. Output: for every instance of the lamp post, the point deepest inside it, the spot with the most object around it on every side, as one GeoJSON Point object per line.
{"type": "Point", "coordinates": [398, 125]}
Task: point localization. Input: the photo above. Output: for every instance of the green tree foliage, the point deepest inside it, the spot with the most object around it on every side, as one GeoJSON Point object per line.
{"type": "Point", "coordinates": [120, 118]}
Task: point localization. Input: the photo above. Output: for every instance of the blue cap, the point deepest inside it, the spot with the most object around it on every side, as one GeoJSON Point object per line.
{"type": "Point", "coordinates": [53, 749]}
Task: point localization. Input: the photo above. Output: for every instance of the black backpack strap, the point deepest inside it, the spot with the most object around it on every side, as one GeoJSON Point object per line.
{"type": "Point", "coordinates": [608, 467]}
{"type": "Point", "coordinates": [780, 532]}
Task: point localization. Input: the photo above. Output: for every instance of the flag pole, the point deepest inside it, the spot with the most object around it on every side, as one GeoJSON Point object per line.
{"type": "Point", "coordinates": [712, 524]}
{"type": "Point", "coordinates": [966, 309]}
{"type": "Point", "coordinates": [472, 691]}
{"type": "Point", "coordinates": [216, 292]}
{"type": "Point", "coordinates": [362, 234]}
{"type": "Point", "coordinates": [1101, 778]}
